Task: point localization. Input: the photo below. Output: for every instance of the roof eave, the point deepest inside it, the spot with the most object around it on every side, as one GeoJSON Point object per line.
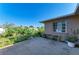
{"type": "Point", "coordinates": [59, 17]}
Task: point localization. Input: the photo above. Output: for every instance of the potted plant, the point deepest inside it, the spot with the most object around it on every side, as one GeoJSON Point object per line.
{"type": "Point", "coordinates": [71, 41]}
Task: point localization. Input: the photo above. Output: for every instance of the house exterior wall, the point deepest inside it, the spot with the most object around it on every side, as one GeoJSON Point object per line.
{"type": "Point", "coordinates": [49, 27]}
{"type": "Point", "coordinates": [72, 24]}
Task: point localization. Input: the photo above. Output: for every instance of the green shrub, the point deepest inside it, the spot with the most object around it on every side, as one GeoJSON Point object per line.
{"type": "Point", "coordinates": [14, 34]}
{"type": "Point", "coordinates": [72, 38]}
{"type": "Point", "coordinates": [4, 42]}
{"type": "Point", "coordinates": [55, 37]}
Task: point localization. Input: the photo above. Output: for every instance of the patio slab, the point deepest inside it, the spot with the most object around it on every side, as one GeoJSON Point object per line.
{"type": "Point", "coordinates": [39, 46]}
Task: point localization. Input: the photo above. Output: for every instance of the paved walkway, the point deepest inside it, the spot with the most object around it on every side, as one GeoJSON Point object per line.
{"type": "Point", "coordinates": [39, 46]}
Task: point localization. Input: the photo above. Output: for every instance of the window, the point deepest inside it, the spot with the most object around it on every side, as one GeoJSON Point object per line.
{"type": "Point", "coordinates": [63, 26]}
{"type": "Point", "coordinates": [54, 26]}
{"type": "Point", "coordinates": [59, 26]}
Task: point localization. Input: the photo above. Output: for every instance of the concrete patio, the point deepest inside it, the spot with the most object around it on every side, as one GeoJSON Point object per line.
{"type": "Point", "coordinates": [39, 46]}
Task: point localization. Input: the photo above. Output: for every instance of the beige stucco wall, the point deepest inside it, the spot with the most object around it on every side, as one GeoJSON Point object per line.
{"type": "Point", "coordinates": [72, 24]}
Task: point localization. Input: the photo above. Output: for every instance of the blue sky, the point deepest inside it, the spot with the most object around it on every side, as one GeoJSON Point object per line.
{"type": "Point", "coordinates": [32, 13]}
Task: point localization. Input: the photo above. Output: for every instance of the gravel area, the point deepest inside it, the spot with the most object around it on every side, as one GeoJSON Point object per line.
{"type": "Point", "coordinates": [39, 46]}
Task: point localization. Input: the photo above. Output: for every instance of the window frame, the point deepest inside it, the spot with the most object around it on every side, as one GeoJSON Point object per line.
{"type": "Point", "coordinates": [60, 30]}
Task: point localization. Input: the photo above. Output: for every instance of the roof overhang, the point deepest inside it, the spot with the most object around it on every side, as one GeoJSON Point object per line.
{"type": "Point", "coordinates": [76, 12]}
{"type": "Point", "coordinates": [58, 18]}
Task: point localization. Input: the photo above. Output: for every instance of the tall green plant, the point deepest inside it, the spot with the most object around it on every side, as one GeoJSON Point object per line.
{"type": "Point", "coordinates": [14, 34]}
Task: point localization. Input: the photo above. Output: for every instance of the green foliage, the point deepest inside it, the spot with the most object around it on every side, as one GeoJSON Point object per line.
{"type": "Point", "coordinates": [4, 42]}
{"type": "Point", "coordinates": [14, 34]}
{"type": "Point", "coordinates": [40, 31]}
{"type": "Point", "coordinates": [72, 38]}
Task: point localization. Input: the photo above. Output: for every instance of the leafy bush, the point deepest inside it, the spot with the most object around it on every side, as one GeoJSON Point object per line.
{"type": "Point", "coordinates": [72, 38]}
{"type": "Point", "coordinates": [4, 42]}
{"type": "Point", "coordinates": [40, 31]}
{"type": "Point", "coordinates": [14, 34]}
{"type": "Point", "coordinates": [55, 38]}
